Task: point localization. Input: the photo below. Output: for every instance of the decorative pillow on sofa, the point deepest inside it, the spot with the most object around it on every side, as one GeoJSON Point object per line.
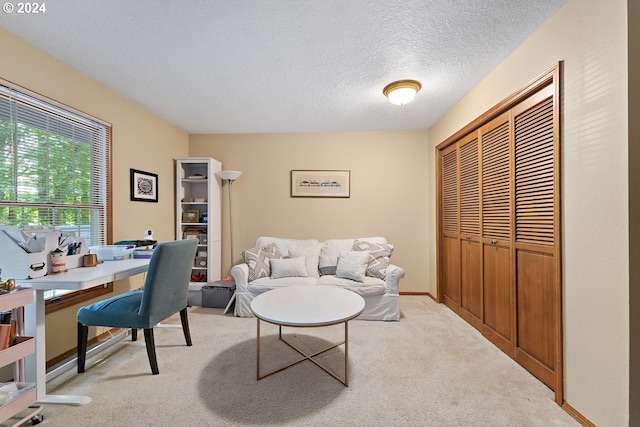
{"type": "Point", "coordinates": [379, 258]}
{"type": "Point", "coordinates": [327, 265]}
{"type": "Point", "coordinates": [310, 258]}
{"type": "Point", "coordinates": [288, 267]}
{"type": "Point", "coordinates": [258, 260]}
{"type": "Point", "coordinates": [352, 265]}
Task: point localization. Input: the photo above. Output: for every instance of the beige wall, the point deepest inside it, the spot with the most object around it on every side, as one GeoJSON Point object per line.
{"type": "Point", "coordinates": [389, 175]}
{"type": "Point", "coordinates": [140, 141]}
{"type": "Point", "coordinates": [634, 209]}
{"type": "Point", "coordinates": [590, 37]}
{"type": "Point", "coordinates": [393, 183]}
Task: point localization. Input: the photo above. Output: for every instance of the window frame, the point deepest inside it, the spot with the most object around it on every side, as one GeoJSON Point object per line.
{"type": "Point", "coordinates": [67, 299]}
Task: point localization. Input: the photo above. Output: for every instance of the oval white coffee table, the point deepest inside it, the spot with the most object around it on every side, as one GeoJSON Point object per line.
{"type": "Point", "coordinates": [307, 306]}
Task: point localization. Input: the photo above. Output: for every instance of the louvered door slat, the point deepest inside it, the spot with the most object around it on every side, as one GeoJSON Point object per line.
{"type": "Point", "coordinates": [495, 183]}
{"type": "Point", "coordinates": [450, 192]}
{"type": "Point", "coordinates": [534, 192]}
{"type": "Point", "coordinates": [532, 121]}
{"type": "Point", "coordinates": [469, 190]}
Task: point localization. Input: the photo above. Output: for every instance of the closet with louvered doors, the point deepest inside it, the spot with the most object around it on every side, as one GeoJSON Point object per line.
{"type": "Point", "coordinates": [499, 227]}
{"type": "Point", "coordinates": [498, 321]}
{"type": "Point", "coordinates": [470, 249]}
{"type": "Point", "coordinates": [536, 217]}
{"type": "Point", "coordinates": [450, 237]}
{"type": "Point", "coordinates": [461, 229]}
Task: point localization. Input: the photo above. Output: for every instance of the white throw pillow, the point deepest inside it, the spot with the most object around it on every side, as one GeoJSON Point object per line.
{"type": "Point", "coordinates": [310, 257]}
{"type": "Point", "coordinates": [288, 267]}
{"type": "Point", "coordinates": [353, 265]}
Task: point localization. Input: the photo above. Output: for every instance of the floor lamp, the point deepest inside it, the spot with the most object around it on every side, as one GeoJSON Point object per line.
{"type": "Point", "coordinates": [229, 177]}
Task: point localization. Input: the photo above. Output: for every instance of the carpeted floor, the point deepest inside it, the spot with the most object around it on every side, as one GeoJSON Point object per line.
{"type": "Point", "coordinates": [429, 369]}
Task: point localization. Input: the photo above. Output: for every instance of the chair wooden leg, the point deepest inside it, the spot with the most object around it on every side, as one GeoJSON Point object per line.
{"type": "Point", "coordinates": [185, 326]}
{"type": "Point", "coordinates": [83, 332]}
{"type": "Point", "coordinates": [151, 350]}
{"type": "Point", "coordinates": [134, 334]}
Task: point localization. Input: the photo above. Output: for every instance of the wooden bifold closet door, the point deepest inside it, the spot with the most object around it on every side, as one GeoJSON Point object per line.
{"type": "Point", "coordinates": [535, 186]}
{"type": "Point", "coordinates": [498, 321]}
{"type": "Point", "coordinates": [499, 227]}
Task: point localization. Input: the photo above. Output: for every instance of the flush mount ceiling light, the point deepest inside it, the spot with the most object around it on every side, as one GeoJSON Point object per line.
{"type": "Point", "coordinates": [402, 91]}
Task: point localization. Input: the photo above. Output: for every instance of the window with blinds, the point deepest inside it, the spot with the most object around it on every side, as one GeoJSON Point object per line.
{"type": "Point", "coordinates": [53, 166]}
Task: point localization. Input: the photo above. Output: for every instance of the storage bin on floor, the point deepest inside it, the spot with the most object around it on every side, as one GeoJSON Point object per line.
{"type": "Point", "coordinates": [194, 297]}
{"type": "Point", "coordinates": [217, 294]}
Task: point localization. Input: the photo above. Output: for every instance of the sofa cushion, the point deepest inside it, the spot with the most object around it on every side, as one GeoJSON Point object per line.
{"type": "Point", "coordinates": [258, 260]}
{"type": "Point", "coordinates": [352, 265]}
{"type": "Point", "coordinates": [379, 256]}
{"type": "Point", "coordinates": [369, 286]}
{"type": "Point", "coordinates": [264, 284]}
{"type": "Point", "coordinates": [287, 245]}
{"type": "Point", "coordinates": [333, 247]}
{"type": "Point", "coordinates": [288, 267]}
{"type": "Point", "coordinates": [327, 265]}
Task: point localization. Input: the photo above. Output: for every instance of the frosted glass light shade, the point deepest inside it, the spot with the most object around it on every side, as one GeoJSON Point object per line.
{"type": "Point", "coordinates": [402, 92]}
{"type": "Point", "coordinates": [229, 175]}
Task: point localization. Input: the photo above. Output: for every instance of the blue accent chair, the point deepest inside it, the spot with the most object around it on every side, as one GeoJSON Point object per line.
{"type": "Point", "coordinates": [165, 293]}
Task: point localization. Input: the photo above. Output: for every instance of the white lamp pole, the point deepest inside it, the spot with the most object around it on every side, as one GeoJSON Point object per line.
{"type": "Point", "coordinates": [229, 177]}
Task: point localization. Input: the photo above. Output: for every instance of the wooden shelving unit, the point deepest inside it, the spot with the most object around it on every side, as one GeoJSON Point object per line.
{"type": "Point", "coordinates": [198, 189]}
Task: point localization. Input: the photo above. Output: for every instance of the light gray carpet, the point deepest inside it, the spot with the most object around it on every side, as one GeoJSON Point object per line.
{"type": "Point", "coordinates": [429, 369]}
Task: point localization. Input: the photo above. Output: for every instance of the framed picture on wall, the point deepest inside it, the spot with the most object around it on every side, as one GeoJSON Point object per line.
{"type": "Point", "coordinates": [320, 183]}
{"type": "Point", "coordinates": [144, 186]}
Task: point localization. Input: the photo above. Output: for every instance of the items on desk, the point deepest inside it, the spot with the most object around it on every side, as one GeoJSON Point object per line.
{"type": "Point", "coordinates": [29, 243]}
{"type": "Point", "coordinates": [58, 261]}
{"type": "Point", "coordinates": [25, 255]}
{"type": "Point", "coordinates": [90, 260]}
{"type": "Point", "coordinates": [112, 252]}
{"type": "Point", "coordinates": [72, 245]}
{"type": "Point", "coordinates": [142, 253]}
{"type": "Point", "coordinates": [73, 248]}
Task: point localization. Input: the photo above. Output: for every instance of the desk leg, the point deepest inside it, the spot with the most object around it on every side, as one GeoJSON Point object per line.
{"type": "Point", "coordinates": [36, 364]}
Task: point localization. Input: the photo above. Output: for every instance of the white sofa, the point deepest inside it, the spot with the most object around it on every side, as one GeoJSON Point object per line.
{"type": "Point", "coordinates": [314, 263]}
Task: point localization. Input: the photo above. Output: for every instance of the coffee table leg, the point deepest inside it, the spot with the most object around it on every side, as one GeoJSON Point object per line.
{"type": "Point", "coordinates": [310, 357]}
{"type": "Point", "coordinates": [346, 353]}
{"type": "Point", "coordinates": [258, 351]}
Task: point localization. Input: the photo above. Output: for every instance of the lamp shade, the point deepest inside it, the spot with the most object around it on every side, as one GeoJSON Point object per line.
{"type": "Point", "coordinates": [402, 92]}
{"type": "Point", "coordinates": [229, 175]}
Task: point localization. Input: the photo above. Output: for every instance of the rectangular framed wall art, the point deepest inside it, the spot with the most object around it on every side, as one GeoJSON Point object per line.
{"type": "Point", "coordinates": [320, 183]}
{"type": "Point", "coordinates": [192, 216]}
{"type": "Point", "coordinates": [144, 186]}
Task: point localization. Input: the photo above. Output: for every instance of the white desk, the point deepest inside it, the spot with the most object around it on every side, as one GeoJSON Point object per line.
{"type": "Point", "coordinates": [75, 279]}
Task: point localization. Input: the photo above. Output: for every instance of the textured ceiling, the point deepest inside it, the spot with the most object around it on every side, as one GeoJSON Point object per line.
{"type": "Point", "coordinates": [254, 66]}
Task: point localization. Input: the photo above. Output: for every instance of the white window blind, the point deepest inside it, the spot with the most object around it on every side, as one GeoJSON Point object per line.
{"type": "Point", "coordinates": [54, 170]}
